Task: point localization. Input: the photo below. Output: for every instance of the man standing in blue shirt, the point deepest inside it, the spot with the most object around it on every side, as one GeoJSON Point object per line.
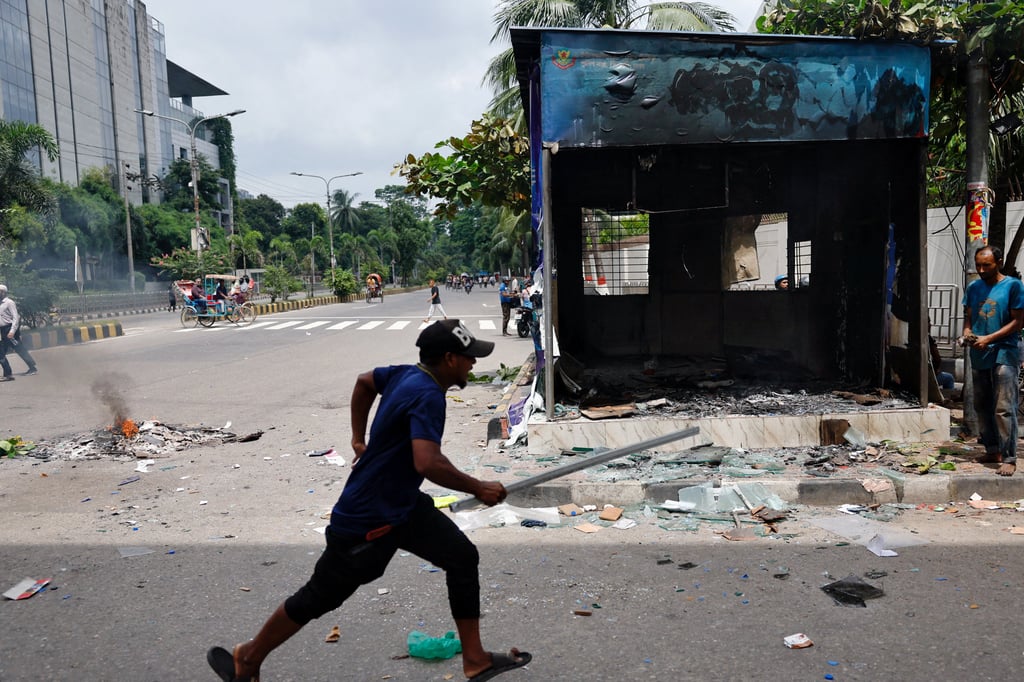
{"type": "Point", "coordinates": [382, 510]}
{"type": "Point", "coordinates": [505, 298]}
{"type": "Point", "coordinates": [993, 316]}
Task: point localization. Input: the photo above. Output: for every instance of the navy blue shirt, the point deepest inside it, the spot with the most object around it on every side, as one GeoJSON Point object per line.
{"type": "Point", "coordinates": [384, 485]}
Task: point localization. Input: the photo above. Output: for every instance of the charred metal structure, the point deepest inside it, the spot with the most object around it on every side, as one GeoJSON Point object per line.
{"type": "Point", "coordinates": [657, 157]}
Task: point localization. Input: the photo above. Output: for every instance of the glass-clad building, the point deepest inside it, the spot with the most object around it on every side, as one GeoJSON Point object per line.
{"type": "Point", "coordinates": [81, 69]}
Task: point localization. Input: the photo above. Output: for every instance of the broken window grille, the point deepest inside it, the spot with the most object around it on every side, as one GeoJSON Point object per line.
{"type": "Point", "coordinates": [615, 252]}
{"type": "Point", "coordinates": [801, 276]}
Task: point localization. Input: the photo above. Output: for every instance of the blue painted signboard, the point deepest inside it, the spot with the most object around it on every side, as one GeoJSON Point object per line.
{"type": "Point", "coordinates": [622, 88]}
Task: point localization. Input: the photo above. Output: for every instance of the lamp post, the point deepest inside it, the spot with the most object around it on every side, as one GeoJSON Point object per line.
{"type": "Point", "coordinates": [195, 160]}
{"type": "Point", "coordinates": [327, 186]}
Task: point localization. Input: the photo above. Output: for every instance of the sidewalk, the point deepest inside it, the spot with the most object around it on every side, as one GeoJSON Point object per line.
{"type": "Point", "coordinates": [837, 479]}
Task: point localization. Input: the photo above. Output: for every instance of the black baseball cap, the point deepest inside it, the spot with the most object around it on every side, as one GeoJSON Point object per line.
{"type": "Point", "coordinates": [451, 336]}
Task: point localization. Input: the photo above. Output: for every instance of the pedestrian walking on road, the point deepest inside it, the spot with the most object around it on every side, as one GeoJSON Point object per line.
{"type": "Point", "coordinates": [10, 337]}
{"type": "Point", "coordinates": [435, 303]}
{"type": "Point", "coordinates": [382, 510]}
{"type": "Point", "coordinates": [993, 315]}
{"type": "Point", "coordinates": [172, 299]}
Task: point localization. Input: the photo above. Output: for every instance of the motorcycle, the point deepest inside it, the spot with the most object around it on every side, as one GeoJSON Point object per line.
{"type": "Point", "coordinates": [522, 319]}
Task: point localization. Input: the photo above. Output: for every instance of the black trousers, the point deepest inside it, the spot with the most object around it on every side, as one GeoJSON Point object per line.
{"type": "Point", "coordinates": [348, 562]}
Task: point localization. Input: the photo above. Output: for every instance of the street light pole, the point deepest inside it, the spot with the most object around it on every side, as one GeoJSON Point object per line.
{"type": "Point", "coordinates": [327, 185]}
{"type": "Point", "coordinates": [194, 162]}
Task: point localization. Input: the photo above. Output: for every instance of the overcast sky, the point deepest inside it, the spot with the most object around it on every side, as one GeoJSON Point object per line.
{"type": "Point", "coordinates": [339, 86]}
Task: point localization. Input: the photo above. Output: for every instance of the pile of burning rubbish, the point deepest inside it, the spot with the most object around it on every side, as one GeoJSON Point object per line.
{"type": "Point", "coordinates": [127, 438]}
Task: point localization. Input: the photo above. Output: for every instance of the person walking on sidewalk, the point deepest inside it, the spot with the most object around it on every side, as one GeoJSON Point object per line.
{"type": "Point", "coordinates": [382, 510]}
{"type": "Point", "coordinates": [10, 337]}
{"type": "Point", "coordinates": [435, 303]}
{"type": "Point", "coordinates": [993, 315]}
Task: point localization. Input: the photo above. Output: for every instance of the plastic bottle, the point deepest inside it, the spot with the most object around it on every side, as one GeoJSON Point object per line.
{"type": "Point", "coordinates": [422, 645]}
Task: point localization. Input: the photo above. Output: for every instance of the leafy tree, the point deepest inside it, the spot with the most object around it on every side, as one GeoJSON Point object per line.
{"type": "Point", "coordinates": [263, 214]}
{"type": "Point", "coordinates": [167, 229]}
{"type": "Point", "coordinates": [997, 28]}
{"type": "Point", "coordinates": [223, 136]}
{"type": "Point", "coordinates": [184, 263]}
{"type": "Point", "coordinates": [298, 221]}
{"type": "Point", "coordinates": [656, 16]}
{"type": "Point", "coordinates": [279, 283]}
{"type": "Point", "coordinates": [20, 180]}
{"type": "Point", "coordinates": [177, 189]}
{"type": "Point", "coordinates": [490, 165]}
{"type": "Point", "coordinates": [33, 294]}
{"type": "Point", "coordinates": [470, 232]}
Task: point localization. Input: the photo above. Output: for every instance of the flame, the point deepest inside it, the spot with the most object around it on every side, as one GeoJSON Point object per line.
{"type": "Point", "coordinates": [129, 429]}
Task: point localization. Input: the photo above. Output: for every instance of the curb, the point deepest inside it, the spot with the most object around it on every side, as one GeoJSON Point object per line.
{"type": "Point", "coordinates": [67, 335]}
{"type": "Point", "coordinates": [926, 489]}
{"type": "Point", "coordinates": [497, 425]}
{"type": "Point", "coordinates": [299, 304]}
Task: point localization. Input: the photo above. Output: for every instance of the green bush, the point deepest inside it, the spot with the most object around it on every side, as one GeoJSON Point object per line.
{"type": "Point", "coordinates": [342, 282]}
{"type": "Point", "coordinates": [279, 283]}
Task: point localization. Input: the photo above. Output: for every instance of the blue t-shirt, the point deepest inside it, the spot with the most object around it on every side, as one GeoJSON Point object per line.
{"type": "Point", "coordinates": [990, 308]}
{"type": "Point", "coordinates": [503, 296]}
{"type": "Point", "coordinates": [384, 485]}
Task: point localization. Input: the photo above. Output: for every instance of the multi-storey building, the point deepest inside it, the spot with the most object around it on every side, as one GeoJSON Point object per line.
{"type": "Point", "coordinates": [81, 69]}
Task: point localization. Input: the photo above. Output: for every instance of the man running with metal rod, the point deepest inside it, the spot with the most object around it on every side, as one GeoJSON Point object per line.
{"type": "Point", "coordinates": [382, 510]}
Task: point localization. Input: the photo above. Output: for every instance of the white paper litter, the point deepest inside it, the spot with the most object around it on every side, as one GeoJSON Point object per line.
{"type": "Point", "coordinates": [624, 524]}
{"type": "Point", "coordinates": [876, 546]}
{"type": "Point", "coordinates": [143, 466]}
{"type": "Point", "coordinates": [504, 515]}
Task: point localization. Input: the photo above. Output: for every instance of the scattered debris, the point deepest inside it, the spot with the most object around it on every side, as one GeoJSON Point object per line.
{"type": "Point", "coordinates": [422, 645]}
{"type": "Point", "coordinates": [333, 636]}
{"type": "Point", "coordinates": [153, 440]}
{"type": "Point", "coordinates": [27, 588]}
{"type": "Point", "coordinates": [797, 641]}
{"type": "Point", "coordinates": [610, 513]}
{"type": "Point", "coordinates": [852, 591]}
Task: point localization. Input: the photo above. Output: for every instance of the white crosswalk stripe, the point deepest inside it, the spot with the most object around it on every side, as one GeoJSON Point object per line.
{"type": "Point", "coordinates": [314, 325]}
{"type": "Point", "coordinates": [257, 325]}
{"type": "Point", "coordinates": [483, 325]}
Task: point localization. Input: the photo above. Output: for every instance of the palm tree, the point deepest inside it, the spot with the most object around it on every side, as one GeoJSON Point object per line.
{"type": "Point", "coordinates": [511, 241]}
{"type": "Point", "coordinates": [343, 212]}
{"type": "Point", "coordinates": [281, 249]}
{"type": "Point", "coordinates": [248, 243]}
{"type": "Point", "coordinates": [20, 181]}
{"type": "Point", "coordinates": [657, 16]}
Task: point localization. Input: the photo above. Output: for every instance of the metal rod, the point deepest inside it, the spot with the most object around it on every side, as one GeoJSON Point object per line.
{"type": "Point", "coordinates": [585, 463]}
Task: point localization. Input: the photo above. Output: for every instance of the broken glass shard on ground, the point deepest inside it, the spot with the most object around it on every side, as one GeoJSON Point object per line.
{"type": "Point", "coordinates": [852, 591]}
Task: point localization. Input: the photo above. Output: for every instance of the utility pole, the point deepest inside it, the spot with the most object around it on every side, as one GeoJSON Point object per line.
{"type": "Point", "coordinates": [312, 264]}
{"type": "Point", "coordinates": [979, 197]}
{"type": "Point", "coordinates": [128, 228]}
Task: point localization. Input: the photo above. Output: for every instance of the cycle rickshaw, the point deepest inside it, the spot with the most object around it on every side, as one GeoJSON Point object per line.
{"type": "Point", "coordinates": [235, 308]}
{"type": "Point", "coordinates": [374, 287]}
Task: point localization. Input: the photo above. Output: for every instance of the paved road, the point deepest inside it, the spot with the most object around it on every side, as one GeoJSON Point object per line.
{"type": "Point", "coordinates": [256, 377]}
{"type": "Point", "coordinates": [949, 610]}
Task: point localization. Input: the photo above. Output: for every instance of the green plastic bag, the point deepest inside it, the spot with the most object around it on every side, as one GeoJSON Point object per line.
{"type": "Point", "coordinates": [422, 645]}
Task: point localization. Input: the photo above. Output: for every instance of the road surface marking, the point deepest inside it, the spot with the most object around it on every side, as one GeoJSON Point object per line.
{"type": "Point", "coordinates": [342, 325]}
{"type": "Point", "coordinates": [285, 325]}
{"type": "Point", "coordinates": [314, 325]}
{"type": "Point", "coordinates": [370, 325]}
